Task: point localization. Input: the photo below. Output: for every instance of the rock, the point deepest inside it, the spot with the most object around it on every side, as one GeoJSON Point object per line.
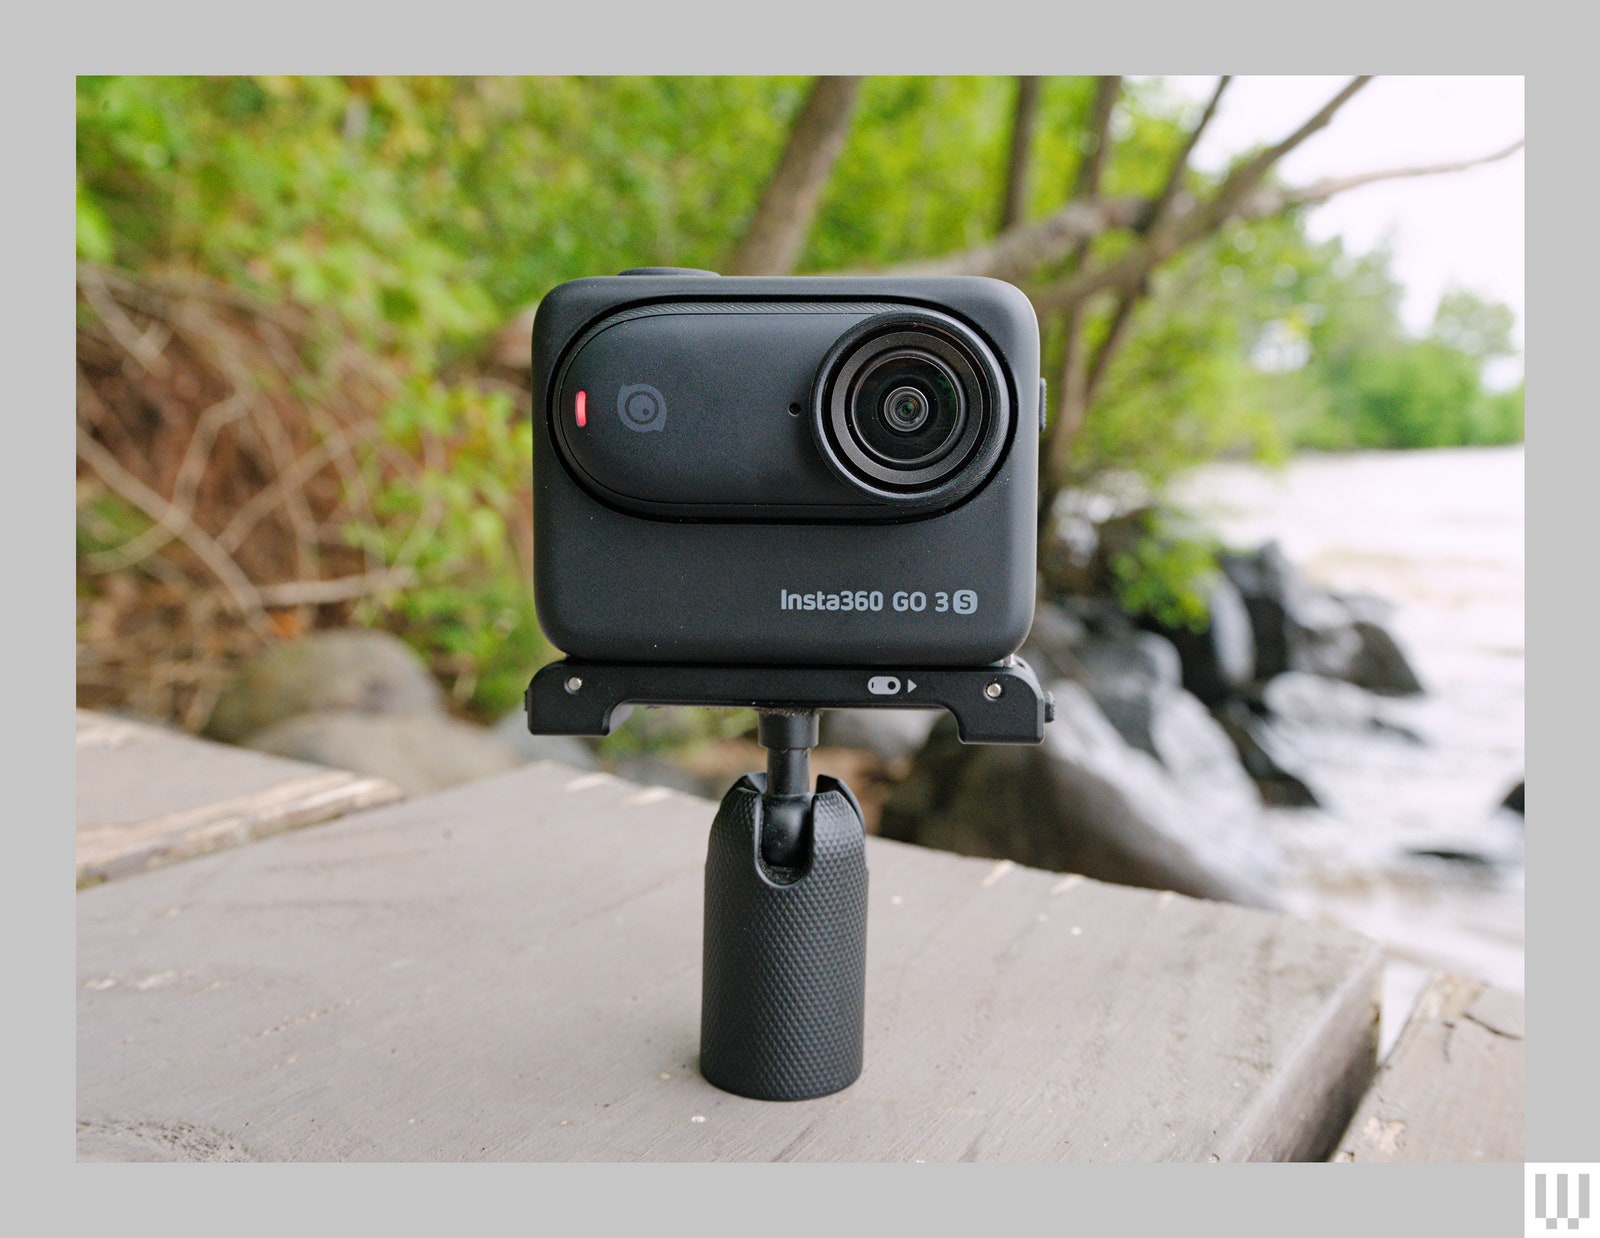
{"type": "Point", "coordinates": [1216, 661]}
{"type": "Point", "coordinates": [1221, 659]}
{"type": "Point", "coordinates": [512, 730]}
{"type": "Point", "coordinates": [1053, 640]}
{"type": "Point", "coordinates": [1202, 762]}
{"type": "Point", "coordinates": [1266, 756]}
{"type": "Point", "coordinates": [1312, 702]}
{"type": "Point", "coordinates": [362, 671]}
{"type": "Point", "coordinates": [1127, 672]}
{"type": "Point", "coordinates": [1467, 856]}
{"type": "Point", "coordinates": [1299, 626]}
{"type": "Point", "coordinates": [1132, 680]}
{"type": "Point", "coordinates": [1096, 613]}
{"type": "Point", "coordinates": [889, 734]}
{"type": "Point", "coordinates": [1322, 640]}
{"type": "Point", "coordinates": [418, 752]}
{"type": "Point", "coordinates": [1514, 798]}
{"type": "Point", "coordinates": [1085, 801]}
{"type": "Point", "coordinates": [1378, 665]}
{"type": "Point", "coordinates": [1344, 638]}
{"type": "Point", "coordinates": [1136, 678]}
{"type": "Point", "coordinates": [1263, 579]}
{"type": "Point", "coordinates": [1368, 606]}
{"type": "Point", "coordinates": [649, 771]}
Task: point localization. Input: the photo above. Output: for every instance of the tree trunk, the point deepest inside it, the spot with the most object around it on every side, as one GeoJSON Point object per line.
{"type": "Point", "coordinates": [1014, 206]}
{"type": "Point", "coordinates": [777, 233]}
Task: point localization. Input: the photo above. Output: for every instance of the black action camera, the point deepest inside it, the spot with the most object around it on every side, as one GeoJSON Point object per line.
{"type": "Point", "coordinates": [787, 471]}
{"type": "Point", "coordinates": [792, 495]}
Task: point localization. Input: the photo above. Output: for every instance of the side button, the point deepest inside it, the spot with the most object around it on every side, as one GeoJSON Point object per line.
{"type": "Point", "coordinates": [1041, 405]}
{"type": "Point", "coordinates": [667, 271]}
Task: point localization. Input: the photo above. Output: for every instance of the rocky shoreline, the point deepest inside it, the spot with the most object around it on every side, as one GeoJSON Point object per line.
{"type": "Point", "coordinates": [1168, 742]}
{"type": "Point", "coordinates": [1167, 746]}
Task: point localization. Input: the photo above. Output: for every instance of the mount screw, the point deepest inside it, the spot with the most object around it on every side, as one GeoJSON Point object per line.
{"type": "Point", "coordinates": [573, 684]}
{"type": "Point", "coordinates": [994, 690]}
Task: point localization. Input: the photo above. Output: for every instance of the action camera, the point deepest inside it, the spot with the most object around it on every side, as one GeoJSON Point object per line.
{"type": "Point", "coordinates": [786, 471]}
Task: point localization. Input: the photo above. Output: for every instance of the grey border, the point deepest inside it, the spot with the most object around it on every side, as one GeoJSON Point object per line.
{"type": "Point", "coordinates": [1132, 1199]}
{"type": "Point", "coordinates": [1564, 848]}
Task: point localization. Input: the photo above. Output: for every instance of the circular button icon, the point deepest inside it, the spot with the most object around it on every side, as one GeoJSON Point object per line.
{"type": "Point", "coordinates": [642, 408]}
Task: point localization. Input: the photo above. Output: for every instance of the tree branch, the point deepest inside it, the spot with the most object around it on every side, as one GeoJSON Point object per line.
{"type": "Point", "coordinates": [1087, 182]}
{"type": "Point", "coordinates": [777, 232]}
{"type": "Point", "coordinates": [1183, 227]}
{"type": "Point", "coordinates": [1016, 254]}
{"type": "Point", "coordinates": [339, 589]}
{"type": "Point", "coordinates": [246, 598]}
{"type": "Point", "coordinates": [1073, 385]}
{"type": "Point", "coordinates": [1080, 381]}
{"type": "Point", "coordinates": [1247, 175]}
{"type": "Point", "coordinates": [1270, 201]}
{"type": "Point", "coordinates": [1160, 210]}
{"type": "Point", "coordinates": [1180, 164]}
{"type": "Point", "coordinates": [1021, 251]}
{"type": "Point", "coordinates": [1014, 204]}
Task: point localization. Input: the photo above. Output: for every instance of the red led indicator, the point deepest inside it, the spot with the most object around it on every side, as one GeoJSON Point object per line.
{"type": "Point", "coordinates": [581, 409]}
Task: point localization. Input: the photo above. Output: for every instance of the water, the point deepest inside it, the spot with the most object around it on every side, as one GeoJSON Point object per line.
{"type": "Point", "coordinates": [1440, 534]}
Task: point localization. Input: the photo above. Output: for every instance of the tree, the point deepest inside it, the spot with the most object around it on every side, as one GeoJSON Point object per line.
{"type": "Point", "coordinates": [1466, 322]}
{"type": "Point", "coordinates": [773, 239]}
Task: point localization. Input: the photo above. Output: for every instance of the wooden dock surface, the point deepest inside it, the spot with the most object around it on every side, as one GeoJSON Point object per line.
{"type": "Point", "coordinates": [511, 971]}
{"type": "Point", "coordinates": [148, 797]}
{"type": "Point", "coordinates": [1452, 1088]}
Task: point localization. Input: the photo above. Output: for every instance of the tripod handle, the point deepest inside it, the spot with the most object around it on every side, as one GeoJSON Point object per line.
{"type": "Point", "coordinates": [783, 998]}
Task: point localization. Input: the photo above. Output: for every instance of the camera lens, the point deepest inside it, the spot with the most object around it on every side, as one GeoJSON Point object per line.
{"type": "Point", "coordinates": [909, 408]}
{"type": "Point", "coordinates": [905, 409]}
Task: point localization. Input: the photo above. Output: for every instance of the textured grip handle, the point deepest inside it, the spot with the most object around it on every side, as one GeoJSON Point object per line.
{"type": "Point", "coordinates": [784, 985]}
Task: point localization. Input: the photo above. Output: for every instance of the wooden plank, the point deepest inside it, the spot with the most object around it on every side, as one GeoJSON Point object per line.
{"type": "Point", "coordinates": [1452, 1088]}
{"type": "Point", "coordinates": [147, 797]}
{"type": "Point", "coordinates": [510, 971]}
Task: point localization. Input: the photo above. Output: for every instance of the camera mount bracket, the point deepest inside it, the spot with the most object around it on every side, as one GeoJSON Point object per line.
{"type": "Point", "coordinates": [783, 985]}
{"type": "Point", "coordinates": [999, 704]}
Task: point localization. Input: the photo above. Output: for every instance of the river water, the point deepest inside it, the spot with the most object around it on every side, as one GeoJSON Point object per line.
{"type": "Point", "coordinates": [1439, 534]}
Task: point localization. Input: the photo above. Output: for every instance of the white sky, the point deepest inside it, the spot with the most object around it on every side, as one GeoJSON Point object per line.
{"type": "Point", "coordinates": [1463, 229]}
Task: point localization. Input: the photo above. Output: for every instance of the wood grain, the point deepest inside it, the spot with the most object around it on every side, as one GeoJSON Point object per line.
{"type": "Point", "coordinates": [1452, 1088]}
{"type": "Point", "coordinates": [510, 971]}
{"type": "Point", "coordinates": [147, 797]}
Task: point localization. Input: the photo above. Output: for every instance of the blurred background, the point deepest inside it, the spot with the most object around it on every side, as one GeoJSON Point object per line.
{"type": "Point", "coordinates": [1281, 603]}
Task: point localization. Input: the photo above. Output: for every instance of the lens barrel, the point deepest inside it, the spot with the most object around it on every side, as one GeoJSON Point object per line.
{"type": "Point", "coordinates": [910, 407]}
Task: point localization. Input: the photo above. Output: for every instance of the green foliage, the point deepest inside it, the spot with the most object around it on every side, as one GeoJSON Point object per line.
{"type": "Point", "coordinates": [1168, 572]}
{"type": "Point", "coordinates": [1468, 324]}
{"type": "Point", "coordinates": [1370, 385]}
{"type": "Point", "coordinates": [1183, 389]}
{"type": "Point", "coordinates": [425, 210]}
{"type": "Point", "coordinates": [467, 606]}
{"type": "Point", "coordinates": [928, 154]}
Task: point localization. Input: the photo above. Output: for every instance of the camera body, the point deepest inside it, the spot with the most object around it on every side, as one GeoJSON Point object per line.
{"type": "Point", "coordinates": [801, 471]}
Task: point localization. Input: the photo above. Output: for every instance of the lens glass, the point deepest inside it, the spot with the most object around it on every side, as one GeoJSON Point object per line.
{"type": "Point", "coordinates": [907, 408]}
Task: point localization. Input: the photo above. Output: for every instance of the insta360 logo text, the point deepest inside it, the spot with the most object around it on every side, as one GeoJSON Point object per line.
{"type": "Point", "coordinates": [1561, 1203]}
{"type": "Point", "coordinates": [642, 408]}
